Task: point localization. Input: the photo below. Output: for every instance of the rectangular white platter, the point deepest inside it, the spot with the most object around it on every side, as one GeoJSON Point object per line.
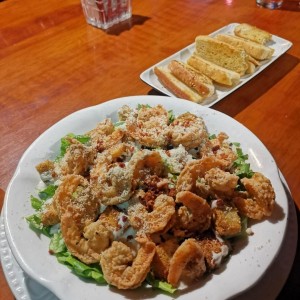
{"type": "Point", "coordinates": [279, 44]}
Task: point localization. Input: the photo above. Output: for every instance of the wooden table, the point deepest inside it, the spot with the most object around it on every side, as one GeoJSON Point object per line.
{"type": "Point", "coordinates": [52, 63]}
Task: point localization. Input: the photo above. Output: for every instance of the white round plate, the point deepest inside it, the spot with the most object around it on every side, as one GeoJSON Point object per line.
{"type": "Point", "coordinates": [250, 259]}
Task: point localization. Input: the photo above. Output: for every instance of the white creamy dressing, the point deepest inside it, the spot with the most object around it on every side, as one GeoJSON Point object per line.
{"type": "Point", "coordinates": [47, 176]}
{"type": "Point", "coordinates": [123, 206]}
{"type": "Point", "coordinates": [102, 208]}
{"type": "Point", "coordinates": [55, 228]}
{"type": "Point", "coordinates": [217, 257]}
{"type": "Point", "coordinates": [124, 231]}
{"type": "Point", "coordinates": [41, 185]}
{"type": "Point", "coordinates": [214, 204]}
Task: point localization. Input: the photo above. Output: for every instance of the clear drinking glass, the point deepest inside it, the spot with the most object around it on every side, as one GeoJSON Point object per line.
{"type": "Point", "coordinates": [106, 13]}
{"type": "Point", "coordinates": [272, 4]}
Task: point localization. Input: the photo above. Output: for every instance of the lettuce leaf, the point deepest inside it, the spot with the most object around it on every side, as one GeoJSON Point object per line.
{"type": "Point", "coordinates": [58, 248]}
{"type": "Point", "coordinates": [79, 268]}
{"type": "Point", "coordinates": [48, 192]}
{"type": "Point", "coordinates": [242, 168]}
{"type": "Point", "coordinates": [159, 284]}
{"type": "Point", "coordinates": [36, 203]}
{"type": "Point", "coordinates": [57, 244]}
{"type": "Point", "coordinates": [171, 116]}
{"type": "Point", "coordinates": [36, 225]}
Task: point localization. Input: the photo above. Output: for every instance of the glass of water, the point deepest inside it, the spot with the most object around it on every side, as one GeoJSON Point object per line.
{"type": "Point", "coordinates": [272, 4]}
{"type": "Point", "coordinates": [106, 13]}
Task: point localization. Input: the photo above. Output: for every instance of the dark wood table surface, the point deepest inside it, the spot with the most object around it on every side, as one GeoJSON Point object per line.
{"type": "Point", "coordinates": [53, 63]}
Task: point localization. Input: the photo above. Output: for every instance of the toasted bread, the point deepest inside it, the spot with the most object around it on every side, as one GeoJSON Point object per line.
{"type": "Point", "coordinates": [193, 79]}
{"type": "Point", "coordinates": [177, 87]}
{"type": "Point", "coordinates": [255, 50]}
{"type": "Point", "coordinates": [216, 73]}
{"type": "Point", "coordinates": [252, 33]}
{"type": "Point", "coordinates": [222, 54]}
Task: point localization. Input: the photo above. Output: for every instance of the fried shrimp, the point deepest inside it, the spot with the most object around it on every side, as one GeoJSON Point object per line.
{"type": "Point", "coordinates": [222, 150]}
{"type": "Point", "coordinates": [196, 169]}
{"type": "Point", "coordinates": [114, 181]}
{"type": "Point", "coordinates": [149, 126]}
{"type": "Point", "coordinates": [110, 178]}
{"type": "Point", "coordinates": [76, 160]}
{"type": "Point", "coordinates": [156, 220]}
{"type": "Point", "coordinates": [195, 214]}
{"type": "Point", "coordinates": [189, 257]}
{"type": "Point", "coordinates": [260, 197]}
{"type": "Point", "coordinates": [162, 258]}
{"type": "Point", "coordinates": [188, 130]}
{"type": "Point", "coordinates": [122, 268]}
{"type": "Point", "coordinates": [78, 211]}
{"type": "Point", "coordinates": [145, 162]}
{"type": "Point", "coordinates": [108, 141]}
{"type": "Point", "coordinates": [221, 182]}
{"type": "Point", "coordinates": [103, 129]}
{"type": "Point", "coordinates": [124, 112]}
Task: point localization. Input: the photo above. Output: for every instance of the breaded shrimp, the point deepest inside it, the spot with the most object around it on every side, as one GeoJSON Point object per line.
{"type": "Point", "coordinates": [260, 197]}
{"type": "Point", "coordinates": [149, 126]}
{"type": "Point", "coordinates": [78, 211]}
{"type": "Point", "coordinates": [222, 150]}
{"type": "Point", "coordinates": [188, 255]}
{"type": "Point", "coordinates": [76, 160]}
{"type": "Point", "coordinates": [188, 130]}
{"type": "Point", "coordinates": [196, 169]}
{"type": "Point", "coordinates": [195, 214]}
{"type": "Point", "coordinates": [110, 178]}
{"type": "Point", "coordinates": [221, 182]}
{"type": "Point", "coordinates": [103, 129]}
{"type": "Point", "coordinates": [107, 141]}
{"type": "Point", "coordinates": [122, 268]}
{"type": "Point", "coordinates": [124, 112]}
{"type": "Point", "coordinates": [161, 261]}
{"type": "Point", "coordinates": [154, 221]}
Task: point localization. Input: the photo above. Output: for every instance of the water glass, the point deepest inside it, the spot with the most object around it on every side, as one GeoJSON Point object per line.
{"type": "Point", "coordinates": [271, 4]}
{"type": "Point", "coordinates": [106, 13]}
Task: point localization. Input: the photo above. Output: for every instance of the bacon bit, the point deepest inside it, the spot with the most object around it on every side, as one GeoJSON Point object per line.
{"type": "Point", "coordinates": [121, 164]}
{"type": "Point", "coordinates": [148, 200]}
{"type": "Point", "coordinates": [131, 149]}
{"type": "Point", "coordinates": [186, 123]}
{"type": "Point", "coordinates": [220, 202]}
{"type": "Point", "coordinates": [152, 181]}
{"type": "Point", "coordinates": [51, 252]}
{"type": "Point", "coordinates": [100, 147]}
{"type": "Point", "coordinates": [163, 183]}
{"type": "Point", "coordinates": [172, 192]}
{"type": "Point", "coordinates": [215, 148]}
{"type": "Point", "coordinates": [124, 218]}
{"type": "Point", "coordinates": [168, 153]}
